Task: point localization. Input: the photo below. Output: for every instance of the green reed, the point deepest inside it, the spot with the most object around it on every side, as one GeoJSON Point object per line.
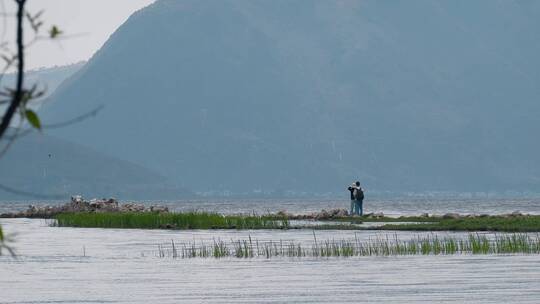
{"type": "Point", "coordinates": [377, 246]}
{"type": "Point", "coordinates": [186, 220]}
{"type": "Point", "coordinates": [502, 223]}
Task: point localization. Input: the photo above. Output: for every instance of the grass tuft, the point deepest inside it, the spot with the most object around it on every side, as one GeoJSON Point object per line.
{"type": "Point", "coordinates": [187, 220]}
{"type": "Point", "coordinates": [379, 246]}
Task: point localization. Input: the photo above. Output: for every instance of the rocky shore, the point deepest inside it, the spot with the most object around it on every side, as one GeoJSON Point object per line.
{"type": "Point", "coordinates": [79, 204]}
{"type": "Point", "coordinates": [342, 213]}
{"type": "Point", "coordinates": [325, 215]}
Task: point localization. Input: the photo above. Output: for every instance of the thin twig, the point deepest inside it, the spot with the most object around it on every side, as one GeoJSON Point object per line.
{"type": "Point", "coordinates": [58, 125]}
{"type": "Point", "coordinates": [18, 97]}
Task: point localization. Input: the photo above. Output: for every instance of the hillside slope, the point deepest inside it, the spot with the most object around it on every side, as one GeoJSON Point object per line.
{"type": "Point", "coordinates": [47, 79]}
{"type": "Point", "coordinates": [46, 167]}
{"type": "Point", "coordinates": [240, 95]}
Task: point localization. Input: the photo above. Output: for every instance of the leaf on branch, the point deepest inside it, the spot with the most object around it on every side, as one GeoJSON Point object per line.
{"type": "Point", "coordinates": [33, 119]}
{"type": "Point", "coordinates": [54, 32]}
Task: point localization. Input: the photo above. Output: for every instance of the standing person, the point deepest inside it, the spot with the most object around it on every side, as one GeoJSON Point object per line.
{"type": "Point", "coordinates": [352, 189]}
{"type": "Point", "coordinates": [359, 199]}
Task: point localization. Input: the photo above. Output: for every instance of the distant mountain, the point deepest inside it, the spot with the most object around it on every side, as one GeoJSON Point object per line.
{"type": "Point", "coordinates": [46, 78]}
{"type": "Point", "coordinates": [305, 96]}
{"type": "Point", "coordinates": [46, 167]}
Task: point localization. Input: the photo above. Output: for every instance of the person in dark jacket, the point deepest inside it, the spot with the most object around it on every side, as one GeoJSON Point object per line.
{"type": "Point", "coordinates": [359, 199]}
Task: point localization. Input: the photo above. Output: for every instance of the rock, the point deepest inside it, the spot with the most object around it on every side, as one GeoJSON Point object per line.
{"type": "Point", "coordinates": [454, 216]}
{"type": "Point", "coordinates": [77, 199]}
{"type": "Point", "coordinates": [296, 216]}
{"type": "Point", "coordinates": [104, 205]}
{"type": "Point", "coordinates": [323, 215]}
{"type": "Point", "coordinates": [159, 209]}
{"type": "Point", "coordinates": [374, 215]}
{"type": "Point", "coordinates": [133, 207]}
{"type": "Point", "coordinates": [283, 213]}
{"type": "Point", "coordinates": [342, 213]}
{"type": "Point", "coordinates": [78, 204]}
{"type": "Point", "coordinates": [516, 213]}
{"type": "Point", "coordinates": [304, 216]}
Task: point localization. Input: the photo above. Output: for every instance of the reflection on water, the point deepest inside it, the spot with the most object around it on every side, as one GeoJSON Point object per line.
{"type": "Point", "coordinates": [69, 265]}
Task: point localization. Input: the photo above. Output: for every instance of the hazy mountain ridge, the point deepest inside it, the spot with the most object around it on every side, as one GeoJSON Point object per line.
{"type": "Point", "coordinates": [47, 79]}
{"type": "Point", "coordinates": [307, 95]}
{"type": "Point", "coordinates": [47, 167]}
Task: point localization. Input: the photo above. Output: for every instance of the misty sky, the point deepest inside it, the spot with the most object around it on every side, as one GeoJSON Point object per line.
{"type": "Point", "coordinates": [87, 25]}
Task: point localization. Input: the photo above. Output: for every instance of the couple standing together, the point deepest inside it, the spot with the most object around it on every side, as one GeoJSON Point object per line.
{"type": "Point", "coordinates": [357, 198]}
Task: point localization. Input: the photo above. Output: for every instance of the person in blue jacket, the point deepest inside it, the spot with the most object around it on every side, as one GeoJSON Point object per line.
{"type": "Point", "coordinates": [357, 199]}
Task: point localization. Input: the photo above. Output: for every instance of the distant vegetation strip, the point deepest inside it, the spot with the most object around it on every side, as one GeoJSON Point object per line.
{"type": "Point", "coordinates": [381, 246]}
{"type": "Point", "coordinates": [525, 223]}
{"type": "Point", "coordinates": [205, 220]}
{"type": "Point", "coordinates": [502, 223]}
{"type": "Point", "coordinates": [187, 220]}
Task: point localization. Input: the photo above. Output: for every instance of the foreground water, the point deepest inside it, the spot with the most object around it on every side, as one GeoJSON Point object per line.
{"type": "Point", "coordinates": [389, 206]}
{"type": "Point", "coordinates": [70, 265]}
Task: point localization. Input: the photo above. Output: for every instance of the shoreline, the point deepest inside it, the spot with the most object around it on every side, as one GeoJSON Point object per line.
{"type": "Point", "coordinates": [108, 213]}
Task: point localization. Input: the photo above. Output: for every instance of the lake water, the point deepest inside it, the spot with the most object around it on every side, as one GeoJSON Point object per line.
{"type": "Point", "coordinates": [389, 206]}
{"type": "Point", "coordinates": [75, 265]}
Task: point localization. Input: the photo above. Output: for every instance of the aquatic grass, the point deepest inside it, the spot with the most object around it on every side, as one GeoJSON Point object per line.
{"type": "Point", "coordinates": [386, 219]}
{"type": "Point", "coordinates": [204, 220]}
{"type": "Point", "coordinates": [186, 220]}
{"type": "Point", "coordinates": [474, 244]}
{"type": "Point", "coordinates": [502, 223]}
{"type": "Point", "coordinates": [523, 223]}
{"type": "Point", "coordinates": [4, 243]}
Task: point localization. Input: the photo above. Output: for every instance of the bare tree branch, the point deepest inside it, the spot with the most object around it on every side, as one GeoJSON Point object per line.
{"type": "Point", "coordinates": [18, 97]}
{"type": "Point", "coordinates": [57, 125]}
{"type": "Point", "coordinates": [11, 140]}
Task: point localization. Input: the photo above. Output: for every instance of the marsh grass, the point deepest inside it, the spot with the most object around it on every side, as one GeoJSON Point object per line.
{"type": "Point", "coordinates": [526, 223]}
{"type": "Point", "coordinates": [4, 243]}
{"type": "Point", "coordinates": [205, 220]}
{"type": "Point", "coordinates": [378, 246]}
{"type": "Point", "coordinates": [386, 219]}
{"type": "Point", "coordinates": [187, 220]}
{"type": "Point", "coordinates": [503, 223]}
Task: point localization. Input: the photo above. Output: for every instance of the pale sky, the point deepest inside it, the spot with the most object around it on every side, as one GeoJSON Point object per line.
{"type": "Point", "coordinates": [87, 25]}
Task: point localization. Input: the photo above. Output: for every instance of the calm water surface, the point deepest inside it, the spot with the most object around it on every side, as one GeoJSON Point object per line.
{"type": "Point", "coordinates": [390, 206]}
{"type": "Point", "coordinates": [70, 265]}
